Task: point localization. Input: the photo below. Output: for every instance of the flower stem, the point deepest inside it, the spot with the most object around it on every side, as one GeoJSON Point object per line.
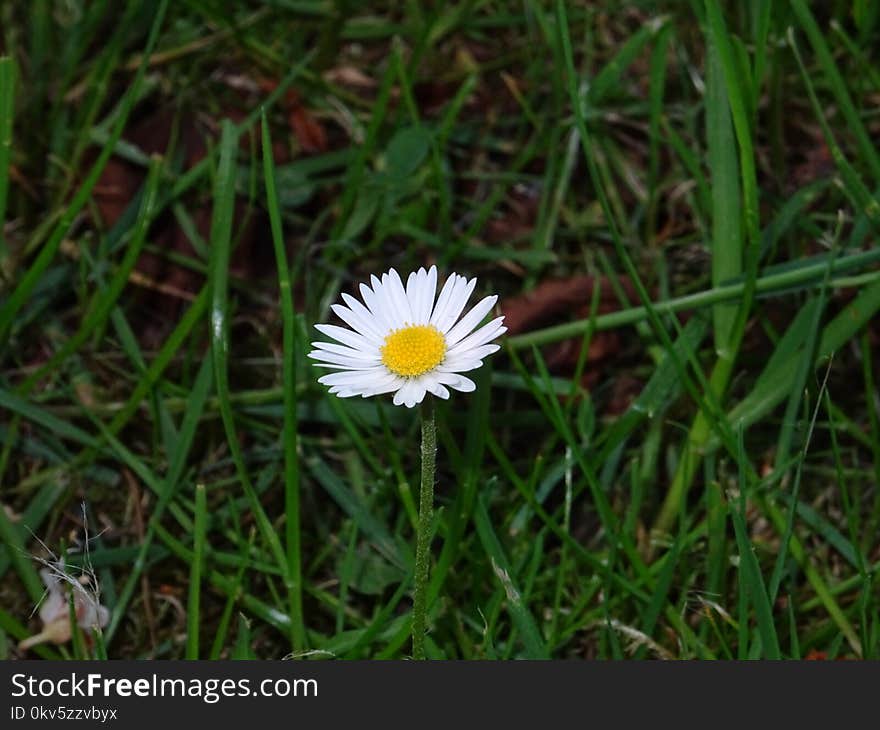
{"type": "Point", "coordinates": [423, 539]}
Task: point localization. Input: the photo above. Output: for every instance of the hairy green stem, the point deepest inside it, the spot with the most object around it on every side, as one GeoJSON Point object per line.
{"type": "Point", "coordinates": [423, 538]}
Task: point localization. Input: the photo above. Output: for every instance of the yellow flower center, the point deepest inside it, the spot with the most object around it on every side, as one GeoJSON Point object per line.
{"type": "Point", "coordinates": [413, 350]}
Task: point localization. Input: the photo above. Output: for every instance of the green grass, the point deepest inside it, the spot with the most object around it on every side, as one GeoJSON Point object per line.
{"type": "Point", "coordinates": [704, 487]}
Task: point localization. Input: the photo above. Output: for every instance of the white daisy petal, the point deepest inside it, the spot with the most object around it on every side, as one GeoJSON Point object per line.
{"type": "Point", "coordinates": [415, 393]}
{"type": "Point", "coordinates": [354, 377]}
{"type": "Point", "coordinates": [331, 352]}
{"type": "Point", "coordinates": [337, 386]}
{"type": "Point", "coordinates": [472, 353]}
{"type": "Point", "coordinates": [422, 295]}
{"type": "Point", "coordinates": [345, 360]}
{"type": "Point", "coordinates": [393, 384]}
{"type": "Point", "coordinates": [417, 293]}
{"type": "Point", "coordinates": [456, 381]}
{"type": "Point", "coordinates": [441, 391]}
{"type": "Point", "coordinates": [374, 298]}
{"type": "Point", "coordinates": [451, 363]}
{"type": "Point", "coordinates": [345, 336]}
{"type": "Point", "coordinates": [369, 326]}
{"type": "Point", "coordinates": [457, 302]}
{"type": "Point", "coordinates": [433, 386]}
{"type": "Point", "coordinates": [459, 366]}
{"type": "Point", "coordinates": [413, 290]}
{"type": "Point", "coordinates": [347, 351]}
{"type": "Point", "coordinates": [453, 287]}
{"type": "Point", "coordinates": [410, 393]}
{"type": "Point", "coordinates": [387, 302]}
{"type": "Point", "coordinates": [338, 362]}
{"type": "Point", "coordinates": [365, 375]}
{"type": "Point", "coordinates": [332, 366]}
{"type": "Point", "coordinates": [429, 290]}
{"type": "Point", "coordinates": [353, 319]}
{"type": "Point", "coordinates": [467, 323]}
{"type": "Point", "coordinates": [445, 294]}
{"type": "Point", "coordinates": [345, 393]}
{"type": "Point", "coordinates": [397, 295]}
{"type": "Point", "coordinates": [368, 295]}
{"type": "Point", "coordinates": [480, 336]}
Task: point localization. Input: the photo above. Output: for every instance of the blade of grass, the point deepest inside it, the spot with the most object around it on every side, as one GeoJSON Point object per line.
{"type": "Point", "coordinates": [867, 145]}
{"type": "Point", "coordinates": [47, 253]}
{"type": "Point", "coordinates": [519, 612]}
{"type": "Point", "coordinates": [782, 555]}
{"type": "Point", "coordinates": [469, 478]}
{"type": "Point", "coordinates": [21, 560]}
{"type": "Point", "coordinates": [177, 463]}
{"type": "Point", "coordinates": [193, 616]}
{"type": "Point", "coordinates": [776, 384]}
{"type": "Point", "coordinates": [231, 601]}
{"type": "Point", "coordinates": [701, 428]}
{"type": "Point", "coordinates": [221, 244]}
{"type": "Point", "coordinates": [726, 222]}
{"type": "Point", "coordinates": [857, 191]}
{"type": "Point", "coordinates": [782, 279]}
{"type": "Point", "coordinates": [289, 433]}
{"type": "Point", "coordinates": [750, 572]}
{"type": "Point", "coordinates": [7, 114]}
{"type": "Point", "coordinates": [390, 546]}
{"type": "Point", "coordinates": [104, 302]}
{"type": "Point", "coordinates": [658, 69]}
{"type": "Point", "coordinates": [853, 550]}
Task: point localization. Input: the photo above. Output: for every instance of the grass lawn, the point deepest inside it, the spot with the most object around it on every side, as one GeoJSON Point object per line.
{"type": "Point", "coordinates": [675, 453]}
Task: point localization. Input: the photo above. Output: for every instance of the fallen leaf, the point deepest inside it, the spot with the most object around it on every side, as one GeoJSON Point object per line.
{"type": "Point", "coordinates": [55, 608]}
{"type": "Point", "coordinates": [557, 300]}
{"type": "Point", "coordinates": [350, 76]}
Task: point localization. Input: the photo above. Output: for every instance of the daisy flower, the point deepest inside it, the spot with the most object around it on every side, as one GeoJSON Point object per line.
{"type": "Point", "coordinates": [404, 342]}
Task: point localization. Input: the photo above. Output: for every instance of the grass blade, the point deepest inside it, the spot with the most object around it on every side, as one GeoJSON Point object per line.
{"type": "Point", "coordinates": [21, 293]}
{"type": "Point", "coordinates": [195, 574]}
{"type": "Point", "coordinates": [7, 114]}
{"type": "Point", "coordinates": [519, 612]}
{"type": "Point", "coordinates": [726, 207]}
{"type": "Point", "coordinates": [288, 365]}
{"type": "Point", "coordinates": [752, 578]}
{"type": "Point", "coordinates": [221, 244]}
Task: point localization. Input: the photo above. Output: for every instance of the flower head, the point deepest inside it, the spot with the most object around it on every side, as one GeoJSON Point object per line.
{"type": "Point", "coordinates": [404, 342]}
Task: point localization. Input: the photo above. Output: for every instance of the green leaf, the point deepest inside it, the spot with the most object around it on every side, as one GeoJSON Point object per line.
{"type": "Point", "coordinates": [365, 207]}
{"type": "Point", "coordinates": [406, 151]}
{"type": "Point", "coordinates": [727, 237]}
